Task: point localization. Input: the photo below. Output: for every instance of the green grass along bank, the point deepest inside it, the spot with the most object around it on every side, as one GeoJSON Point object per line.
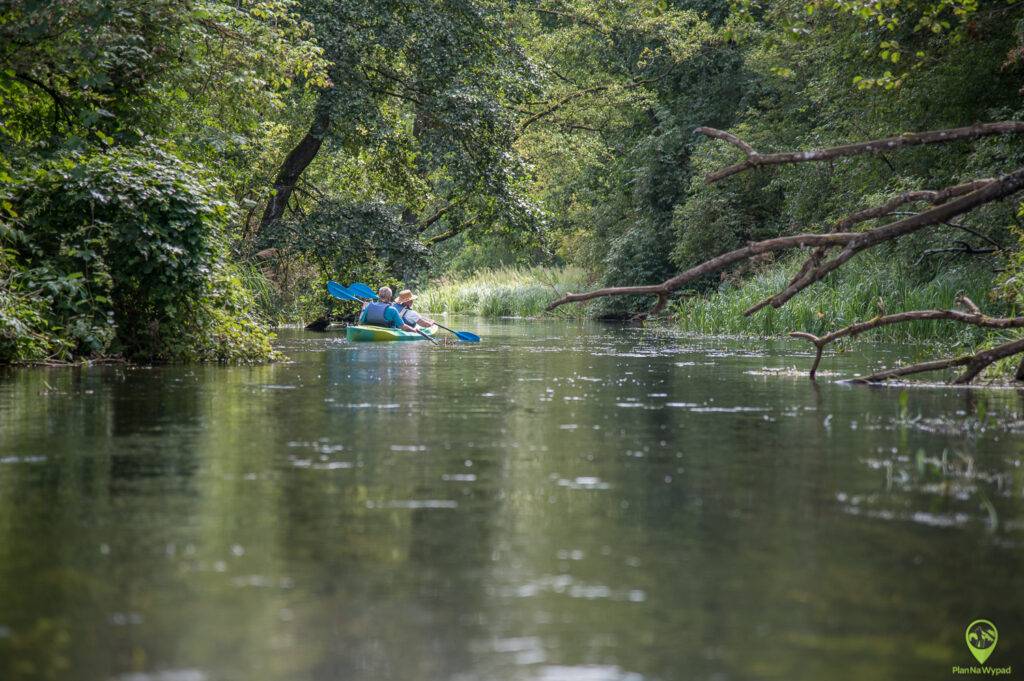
{"type": "Point", "coordinates": [862, 290]}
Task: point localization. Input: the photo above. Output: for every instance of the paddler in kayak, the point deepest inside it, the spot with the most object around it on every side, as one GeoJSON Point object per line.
{"type": "Point", "coordinates": [404, 304]}
{"type": "Point", "coordinates": [383, 312]}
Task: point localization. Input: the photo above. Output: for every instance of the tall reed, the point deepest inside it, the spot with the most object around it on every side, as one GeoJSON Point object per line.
{"type": "Point", "coordinates": [863, 289]}
{"type": "Point", "coordinates": [504, 292]}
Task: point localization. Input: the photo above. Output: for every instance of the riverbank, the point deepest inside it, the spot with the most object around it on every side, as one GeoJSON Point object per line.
{"type": "Point", "coordinates": [865, 288]}
{"type": "Point", "coordinates": [862, 290]}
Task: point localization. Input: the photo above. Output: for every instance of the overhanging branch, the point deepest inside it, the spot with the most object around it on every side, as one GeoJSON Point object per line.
{"type": "Point", "coordinates": [972, 316]}
{"type": "Point", "coordinates": [757, 160]}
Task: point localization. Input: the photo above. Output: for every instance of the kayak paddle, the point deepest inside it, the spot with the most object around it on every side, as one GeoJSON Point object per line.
{"type": "Point", "coordinates": [463, 335]}
{"type": "Point", "coordinates": [362, 289]}
{"type": "Point", "coordinates": [340, 292]}
{"type": "Point", "coordinates": [417, 330]}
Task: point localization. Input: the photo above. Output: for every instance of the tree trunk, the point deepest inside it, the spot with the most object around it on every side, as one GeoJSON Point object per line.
{"type": "Point", "coordinates": [297, 160]}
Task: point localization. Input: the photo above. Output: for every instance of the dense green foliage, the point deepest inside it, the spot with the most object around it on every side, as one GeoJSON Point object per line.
{"type": "Point", "coordinates": [115, 240]}
{"type": "Point", "coordinates": [789, 75]}
{"type": "Point", "coordinates": [395, 142]}
{"type": "Point", "coordinates": [122, 252]}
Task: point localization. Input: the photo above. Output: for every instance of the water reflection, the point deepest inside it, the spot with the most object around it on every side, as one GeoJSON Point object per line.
{"type": "Point", "coordinates": [561, 501]}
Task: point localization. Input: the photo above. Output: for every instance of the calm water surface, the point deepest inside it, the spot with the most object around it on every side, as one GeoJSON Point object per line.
{"type": "Point", "coordinates": [561, 502]}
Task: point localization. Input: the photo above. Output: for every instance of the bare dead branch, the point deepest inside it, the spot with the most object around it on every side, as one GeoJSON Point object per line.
{"type": "Point", "coordinates": [853, 243]}
{"type": "Point", "coordinates": [711, 266]}
{"type": "Point", "coordinates": [973, 316]}
{"type": "Point", "coordinates": [968, 304]}
{"type": "Point", "coordinates": [931, 196]}
{"type": "Point", "coordinates": [961, 248]}
{"type": "Point", "coordinates": [988, 191]}
{"type": "Point", "coordinates": [975, 364]}
{"type": "Point", "coordinates": [963, 228]}
{"type": "Point", "coordinates": [658, 307]}
{"type": "Point", "coordinates": [983, 359]}
{"type": "Point", "coordinates": [804, 276]}
{"type": "Point", "coordinates": [756, 160]}
{"type": "Point", "coordinates": [921, 368]}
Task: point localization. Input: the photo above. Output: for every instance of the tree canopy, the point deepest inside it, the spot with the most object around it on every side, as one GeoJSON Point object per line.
{"type": "Point", "coordinates": [400, 140]}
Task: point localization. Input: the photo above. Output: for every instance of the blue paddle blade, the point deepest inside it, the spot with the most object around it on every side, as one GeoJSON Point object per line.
{"type": "Point", "coordinates": [462, 335]}
{"type": "Point", "coordinates": [363, 290]}
{"type": "Point", "coordinates": [340, 292]}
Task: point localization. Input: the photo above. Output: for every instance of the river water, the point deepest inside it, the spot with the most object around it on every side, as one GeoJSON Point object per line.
{"type": "Point", "coordinates": [563, 501]}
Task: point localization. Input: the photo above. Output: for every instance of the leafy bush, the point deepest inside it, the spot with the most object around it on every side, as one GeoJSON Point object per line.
{"type": "Point", "coordinates": [123, 253]}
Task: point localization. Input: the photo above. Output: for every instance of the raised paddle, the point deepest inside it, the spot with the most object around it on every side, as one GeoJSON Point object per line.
{"type": "Point", "coordinates": [342, 293]}
{"type": "Point", "coordinates": [362, 289]}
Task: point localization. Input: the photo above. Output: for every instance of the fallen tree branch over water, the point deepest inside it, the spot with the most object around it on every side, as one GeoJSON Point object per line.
{"type": "Point", "coordinates": [973, 316]}
{"type": "Point", "coordinates": [947, 203]}
{"type": "Point", "coordinates": [853, 243]}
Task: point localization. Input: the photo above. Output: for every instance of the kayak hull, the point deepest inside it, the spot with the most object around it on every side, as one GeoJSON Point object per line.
{"type": "Point", "coordinates": [363, 333]}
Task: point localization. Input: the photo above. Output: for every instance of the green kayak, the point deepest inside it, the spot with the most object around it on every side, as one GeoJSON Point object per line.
{"type": "Point", "coordinates": [376, 334]}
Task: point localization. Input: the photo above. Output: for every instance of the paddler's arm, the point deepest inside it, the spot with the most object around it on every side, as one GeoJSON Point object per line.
{"type": "Point", "coordinates": [391, 314]}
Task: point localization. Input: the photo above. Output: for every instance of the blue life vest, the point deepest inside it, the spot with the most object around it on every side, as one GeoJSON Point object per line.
{"type": "Point", "coordinates": [374, 314]}
{"type": "Point", "coordinates": [408, 314]}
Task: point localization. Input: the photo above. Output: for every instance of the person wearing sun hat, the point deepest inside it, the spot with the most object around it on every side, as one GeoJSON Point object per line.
{"type": "Point", "coordinates": [403, 301]}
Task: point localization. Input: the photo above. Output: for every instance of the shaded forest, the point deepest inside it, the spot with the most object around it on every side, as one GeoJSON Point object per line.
{"type": "Point", "coordinates": [180, 175]}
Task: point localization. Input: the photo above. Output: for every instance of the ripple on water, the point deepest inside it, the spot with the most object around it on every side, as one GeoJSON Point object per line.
{"type": "Point", "coordinates": [725, 410]}
{"type": "Point", "coordinates": [322, 446]}
{"type": "Point", "coordinates": [165, 675]}
{"type": "Point", "coordinates": [525, 649]}
{"type": "Point", "coordinates": [586, 672]}
{"type": "Point", "coordinates": [22, 459]}
{"type": "Point", "coordinates": [319, 465]}
{"type": "Point", "coordinates": [414, 504]}
{"type": "Point", "coordinates": [565, 585]}
{"type": "Point", "coordinates": [365, 405]}
{"type": "Point", "coordinates": [583, 482]}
